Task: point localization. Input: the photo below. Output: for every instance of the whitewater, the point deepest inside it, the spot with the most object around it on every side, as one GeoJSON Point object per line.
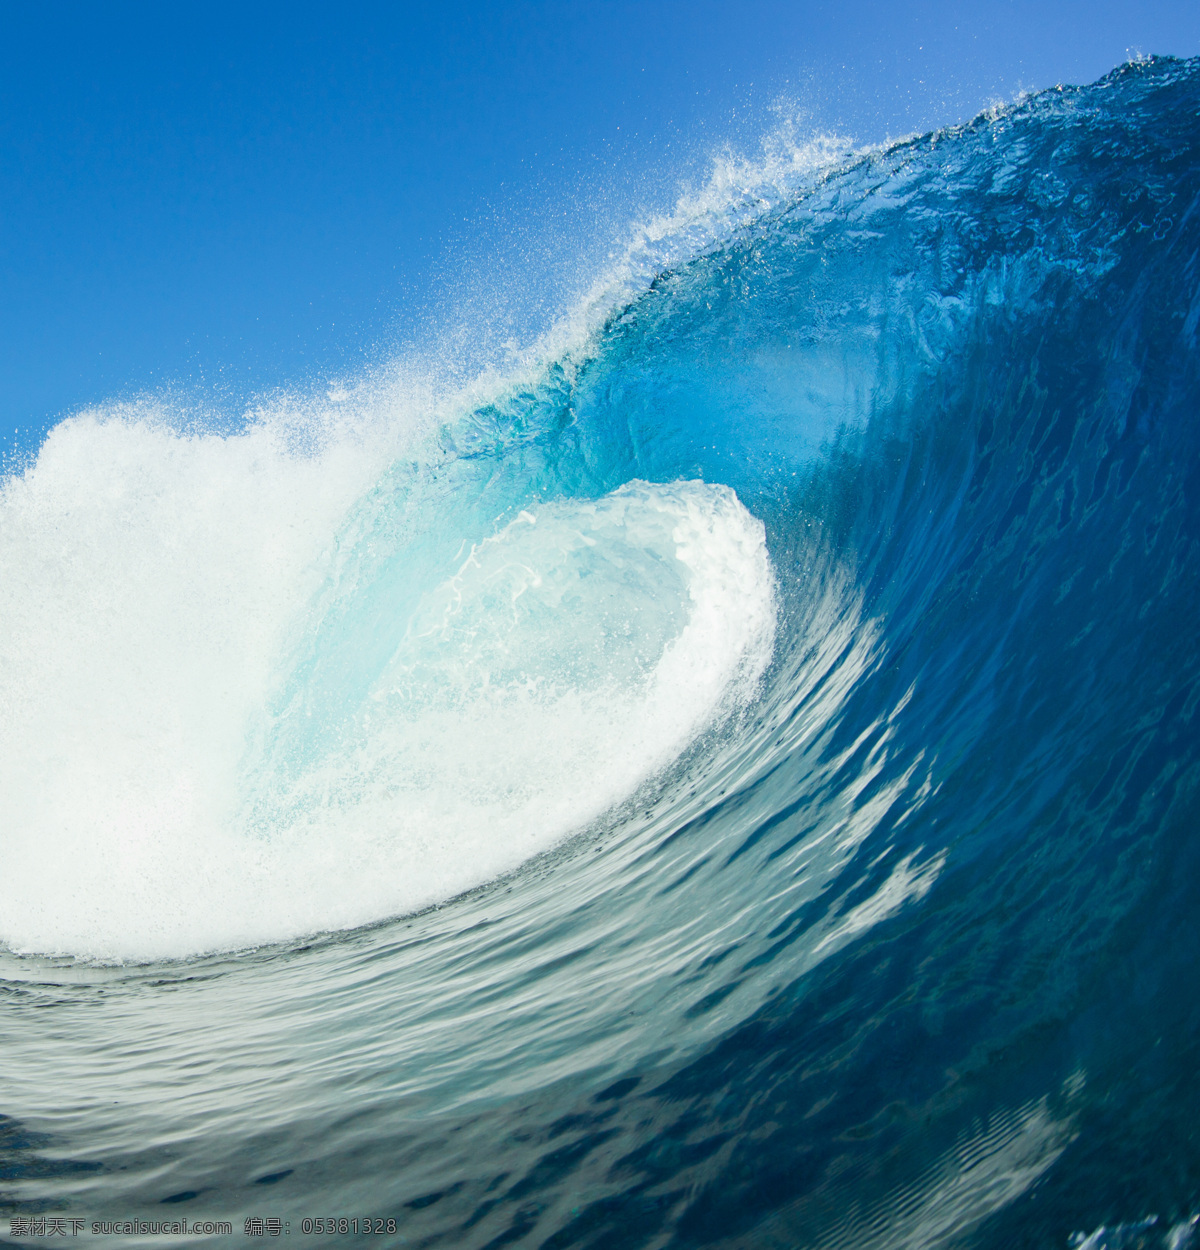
{"type": "Point", "coordinates": [725, 778]}
{"type": "Point", "coordinates": [153, 769]}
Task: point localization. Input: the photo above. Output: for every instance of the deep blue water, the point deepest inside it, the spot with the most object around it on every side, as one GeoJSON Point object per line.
{"type": "Point", "coordinates": [896, 945]}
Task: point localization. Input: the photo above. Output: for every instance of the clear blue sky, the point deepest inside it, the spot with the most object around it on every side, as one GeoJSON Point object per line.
{"type": "Point", "coordinates": [225, 198]}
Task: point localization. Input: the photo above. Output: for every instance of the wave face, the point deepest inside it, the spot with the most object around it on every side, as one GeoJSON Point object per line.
{"type": "Point", "coordinates": [734, 784]}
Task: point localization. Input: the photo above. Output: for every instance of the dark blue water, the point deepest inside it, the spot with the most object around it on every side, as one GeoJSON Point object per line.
{"type": "Point", "coordinates": [901, 948]}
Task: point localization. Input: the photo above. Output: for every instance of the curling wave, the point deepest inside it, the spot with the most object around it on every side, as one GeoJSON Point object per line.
{"type": "Point", "coordinates": [784, 690]}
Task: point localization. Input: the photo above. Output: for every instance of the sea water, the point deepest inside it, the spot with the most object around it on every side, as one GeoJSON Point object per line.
{"type": "Point", "coordinates": [729, 780]}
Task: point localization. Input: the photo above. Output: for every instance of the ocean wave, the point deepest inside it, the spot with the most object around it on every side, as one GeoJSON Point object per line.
{"type": "Point", "coordinates": [728, 779]}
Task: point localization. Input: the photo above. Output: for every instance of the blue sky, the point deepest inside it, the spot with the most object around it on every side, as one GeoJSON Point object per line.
{"type": "Point", "coordinates": [221, 199]}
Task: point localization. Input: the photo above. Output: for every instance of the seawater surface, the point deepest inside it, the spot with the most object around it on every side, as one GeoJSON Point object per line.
{"type": "Point", "coordinates": [730, 782]}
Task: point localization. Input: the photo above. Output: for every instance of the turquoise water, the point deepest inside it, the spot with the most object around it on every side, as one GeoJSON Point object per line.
{"type": "Point", "coordinates": [730, 781]}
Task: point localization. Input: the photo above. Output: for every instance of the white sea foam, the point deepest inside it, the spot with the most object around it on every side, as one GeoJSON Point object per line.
{"type": "Point", "coordinates": [149, 583]}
